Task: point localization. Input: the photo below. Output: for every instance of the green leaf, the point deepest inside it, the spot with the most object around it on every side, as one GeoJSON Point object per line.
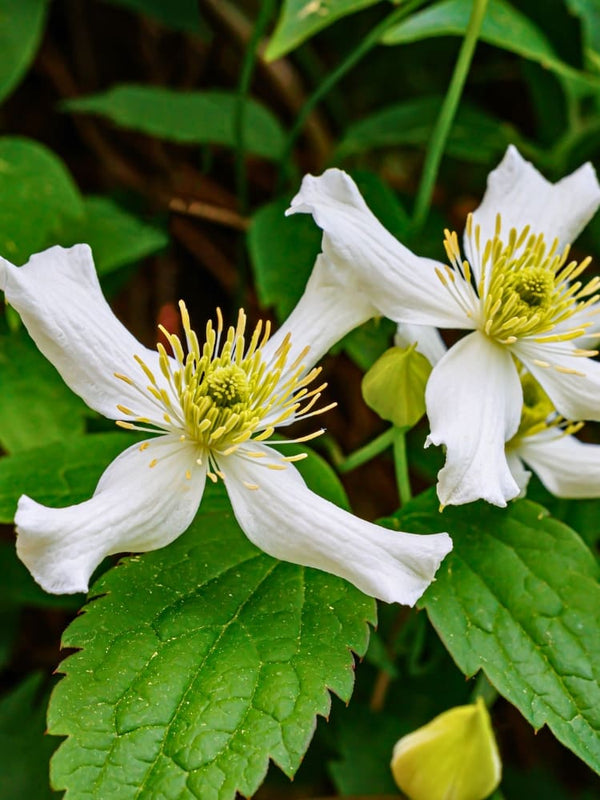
{"type": "Point", "coordinates": [518, 597]}
{"type": "Point", "coordinates": [116, 237]}
{"type": "Point", "coordinates": [365, 740]}
{"type": "Point", "coordinates": [475, 136]}
{"type": "Point", "coordinates": [21, 28]}
{"type": "Point", "coordinates": [283, 251]}
{"type": "Point", "coordinates": [589, 12]}
{"type": "Point", "coordinates": [36, 406]}
{"type": "Point", "coordinates": [301, 19]}
{"type": "Point", "coordinates": [37, 195]}
{"type": "Point", "coordinates": [503, 26]}
{"type": "Point", "coordinates": [58, 474]}
{"type": "Point", "coordinates": [182, 15]}
{"type": "Point", "coordinates": [197, 664]}
{"type": "Point", "coordinates": [24, 750]}
{"type": "Point", "coordinates": [187, 117]}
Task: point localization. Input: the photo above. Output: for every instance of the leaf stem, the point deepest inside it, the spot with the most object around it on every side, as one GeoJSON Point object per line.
{"type": "Point", "coordinates": [368, 452]}
{"type": "Point", "coordinates": [444, 121]}
{"type": "Point", "coordinates": [401, 465]}
{"type": "Point", "coordinates": [365, 45]}
{"type": "Point", "coordinates": [484, 689]}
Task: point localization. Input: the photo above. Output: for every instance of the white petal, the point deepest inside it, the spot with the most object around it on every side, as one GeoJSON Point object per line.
{"type": "Point", "coordinates": [60, 301]}
{"type": "Point", "coordinates": [134, 508]}
{"type": "Point", "coordinates": [428, 339]}
{"type": "Point", "coordinates": [517, 191]}
{"type": "Point", "coordinates": [474, 401]}
{"type": "Point", "coordinates": [322, 317]}
{"type": "Point", "coordinates": [521, 475]}
{"type": "Point", "coordinates": [288, 521]}
{"type": "Point", "coordinates": [575, 396]}
{"type": "Point", "coordinates": [566, 466]}
{"type": "Point", "coordinates": [401, 285]}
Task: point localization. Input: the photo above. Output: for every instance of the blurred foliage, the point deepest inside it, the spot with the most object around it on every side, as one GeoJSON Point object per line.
{"type": "Point", "coordinates": [170, 136]}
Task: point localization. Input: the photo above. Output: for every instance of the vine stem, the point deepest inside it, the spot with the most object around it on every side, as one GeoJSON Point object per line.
{"type": "Point", "coordinates": [239, 120]}
{"type": "Point", "coordinates": [366, 44]}
{"type": "Point", "coordinates": [401, 465]}
{"type": "Point", "coordinates": [437, 142]}
{"type": "Point", "coordinates": [369, 451]}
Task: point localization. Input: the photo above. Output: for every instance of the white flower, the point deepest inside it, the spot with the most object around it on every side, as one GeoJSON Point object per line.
{"type": "Point", "coordinates": [516, 291]}
{"type": "Point", "coordinates": [213, 408]}
{"type": "Point", "coordinates": [544, 440]}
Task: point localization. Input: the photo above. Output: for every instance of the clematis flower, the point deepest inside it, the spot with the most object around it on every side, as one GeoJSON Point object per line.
{"type": "Point", "coordinates": [515, 289]}
{"type": "Point", "coordinates": [213, 409]}
{"type": "Point", "coordinates": [544, 441]}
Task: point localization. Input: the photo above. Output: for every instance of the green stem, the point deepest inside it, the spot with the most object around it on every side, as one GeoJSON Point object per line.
{"type": "Point", "coordinates": [485, 690]}
{"type": "Point", "coordinates": [369, 451]}
{"type": "Point", "coordinates": [444, 121]}
{"type": "Point", "coordinates": [366, 44]}
{"type": "Point", "coordinates": [239, 120]}
{"type": "Point", "coordinates": [401, 465]}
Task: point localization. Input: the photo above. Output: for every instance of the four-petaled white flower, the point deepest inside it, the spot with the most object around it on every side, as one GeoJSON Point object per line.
{"type": "Point", "coordinates": [516, 291]}
{"type": "Point", "coordinates": [214, 407]}
{"type": "Point", "coordinates": [544, 441]}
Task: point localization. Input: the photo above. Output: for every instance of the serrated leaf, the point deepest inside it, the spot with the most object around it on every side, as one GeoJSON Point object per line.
{"type": "Point", "coordinates": [475, 136]}
{"type": "Point", "coordinates": [301, 19]}
{"type": "Point", "coordinates": [518, 597]}
{"type": "Point", "coordinates": [36, 406]}
{"type": "Point", "coordinates": [503, 26]}
{"type": "Point", "coordinates": [198, 664]}
{"type": "Point", "coordinates": [58, 474]}
{"type": "Point", "coordinates": [116, 237]}
{"type": "Point", "coordinates": [24, 750]}
{"type": "Point", "coordinates": [187, 117]}
{"type": "Point", "coordinates": [21, 28]}
{"type": "Point", "coordinates": [37, 195]}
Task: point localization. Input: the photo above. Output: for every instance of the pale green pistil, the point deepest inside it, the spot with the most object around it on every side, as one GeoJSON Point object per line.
{"type": "Point", "coordinates": [227, 386]}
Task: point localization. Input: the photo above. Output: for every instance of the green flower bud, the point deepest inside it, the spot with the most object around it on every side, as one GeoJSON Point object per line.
{"type": "Point", "coordinates": [453, 757]}
{"type": "Point", "coordinates": [394, 387]}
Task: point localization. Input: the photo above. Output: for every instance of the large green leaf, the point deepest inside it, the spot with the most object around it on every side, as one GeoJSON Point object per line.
{"type": "Point", "coordinates": [475, 135]}
{"type": "Point", "coordinates": [116, 237]}
{"type": "Point", "coordinates": [24, 750]}
{"type": "Point", "coordinates": [36, 406]}
{"type": "Point", "coordinates": [301, 19]}
{"type": "Point", "coordinates": [589, 12]}
{"type": "Point", "coordinates": [58, 474]}
{"type": "Point", "coordinates": [37, 196]}
{"type": "Point", "coordinates": [188, 117]}
{"type": "Point", "coordinates": [519, 597]}
{"type": "Point", "coordinates": [21, 28]}
{"type": "Point", "coordinates": [197, 664]}
{"type": "Point", "coordinates": [503, 26]}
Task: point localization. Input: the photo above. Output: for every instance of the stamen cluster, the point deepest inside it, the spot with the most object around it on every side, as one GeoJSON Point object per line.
{"type": "Point", "coordinates": [221, 394]}
{"type": "Point", "coordinates": [524, 288]}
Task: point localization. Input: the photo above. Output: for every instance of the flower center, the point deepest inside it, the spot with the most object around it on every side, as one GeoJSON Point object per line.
{"type": "Point", "coordinates": [523, 287]}
{"type": "Point", "coordinates": [227, 386]}
{"type": "Point", "coordinates": [221, 394]}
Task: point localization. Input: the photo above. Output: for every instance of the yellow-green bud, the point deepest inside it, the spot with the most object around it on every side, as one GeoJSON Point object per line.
{"type": "Point", "coordinates": [453, 756]}
{"type": "Point", "coordinates": [394, 387]}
